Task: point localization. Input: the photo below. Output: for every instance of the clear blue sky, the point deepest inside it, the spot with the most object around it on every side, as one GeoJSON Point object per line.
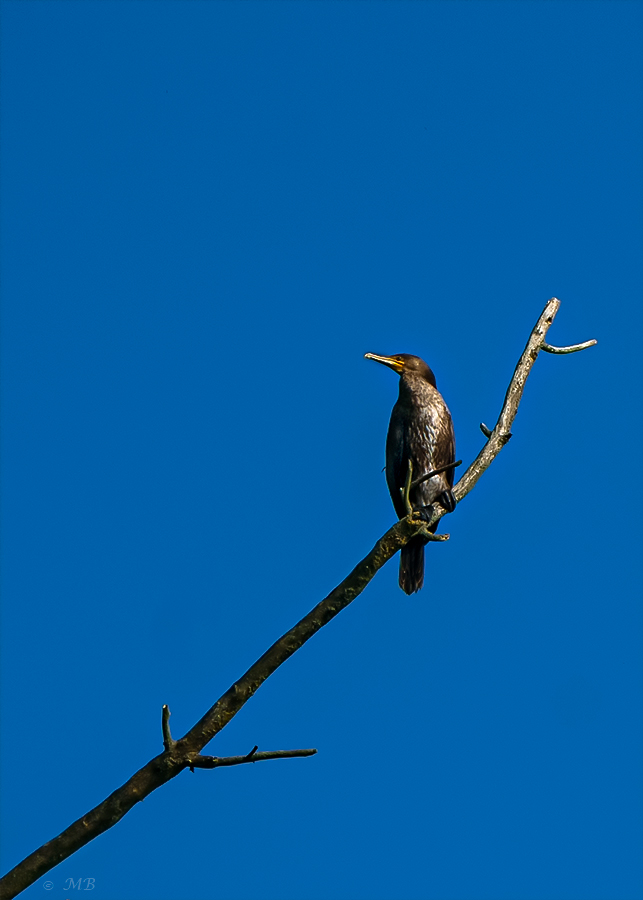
{"type": "Point", "coordinates": [211, 210]}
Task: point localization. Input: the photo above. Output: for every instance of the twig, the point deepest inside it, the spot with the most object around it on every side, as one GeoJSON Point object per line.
{"type": "Point", "coordinates": [168, 765]}
{"type": "Point", "coordinates": [573, 349]}
{"type": "Point", "coordinates": [214, 762]}
{"type": "Point", "coordinates": [439, 471]}
{"type": "Point", "coordinates": [406, 490]}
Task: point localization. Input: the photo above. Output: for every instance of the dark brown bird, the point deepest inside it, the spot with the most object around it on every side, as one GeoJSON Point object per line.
{"type": "Point", "coordinates": [420, 430]}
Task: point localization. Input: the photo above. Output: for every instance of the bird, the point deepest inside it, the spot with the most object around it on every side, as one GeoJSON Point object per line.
{"type": "Point", "coordinates": [420, 430]}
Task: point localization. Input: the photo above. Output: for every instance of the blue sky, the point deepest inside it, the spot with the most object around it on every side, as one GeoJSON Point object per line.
{"type": "Point", "coordinates": [211, 211]}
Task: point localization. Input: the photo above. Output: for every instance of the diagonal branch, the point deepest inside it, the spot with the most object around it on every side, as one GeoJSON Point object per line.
{"type": "Point", "coordinates": [177, 757]}
{"type": "Point", "coordinates": [186, 752]}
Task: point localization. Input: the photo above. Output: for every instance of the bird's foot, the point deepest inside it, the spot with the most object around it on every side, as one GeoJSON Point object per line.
{"type": "Point", "coordinates": [447, 500]}
{"type": "Point", "coordinates": [424, 512]}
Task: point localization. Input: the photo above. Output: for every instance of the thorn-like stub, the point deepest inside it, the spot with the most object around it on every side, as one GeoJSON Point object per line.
{"type": "Point", "coordinates": [168, 741]}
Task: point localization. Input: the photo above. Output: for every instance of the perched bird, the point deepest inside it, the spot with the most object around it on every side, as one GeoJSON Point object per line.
{"type": "Point", "coordinates": [420, 430]}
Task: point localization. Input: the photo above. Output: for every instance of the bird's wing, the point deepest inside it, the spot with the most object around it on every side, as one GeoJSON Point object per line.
{"type": "Point", "coordinates": [444, 449]}
{"type": "Point", "coordinates": [433, 443]}
{"type": "Point", "coordinates": [397, 459]}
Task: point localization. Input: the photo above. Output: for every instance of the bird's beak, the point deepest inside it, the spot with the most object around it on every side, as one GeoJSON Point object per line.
{"type": "Point", "coordinates": [396, 364]}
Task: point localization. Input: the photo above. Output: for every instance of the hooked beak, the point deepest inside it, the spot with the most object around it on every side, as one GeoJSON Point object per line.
{"type": "Point", "coordinates": [396, 364]}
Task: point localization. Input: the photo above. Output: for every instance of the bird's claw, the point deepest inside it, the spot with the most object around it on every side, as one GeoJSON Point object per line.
{"type": "Point", "coordinates": [424, 512]}
{"type": "Point", "coordinates": [447, 500]}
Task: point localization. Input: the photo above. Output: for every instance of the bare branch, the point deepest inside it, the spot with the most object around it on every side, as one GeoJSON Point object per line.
{"type": "Point", "coordinates": [453, 465]}
{"type": "Point", "coordinates": [169, 764]}
{"type": "Point", "coordinates": [573, 349]}
{"type": "Point", "coordinates": [502, 430]}
{"type": "Point", "coordinates": [213, 762]}
{"type": "Point", "coordinates": [186, 752]}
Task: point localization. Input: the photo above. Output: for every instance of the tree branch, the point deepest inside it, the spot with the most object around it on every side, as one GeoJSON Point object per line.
{"type": "Point", "coordinates": [574, 348]}
{"type": "Point", "coordinates": [439, 471]}
{"type": "Point", "coordinates": [185, 752]}
{"type": "Point", "coordinates": [499, 436]}
{"type": "Point", "coordinates": [170, 763]}
{"type": "Point", "coordinates": [255, 755]}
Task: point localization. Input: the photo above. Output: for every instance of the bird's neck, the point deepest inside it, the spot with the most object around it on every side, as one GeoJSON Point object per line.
{"type": "Point", "coordinates": [414, 390]}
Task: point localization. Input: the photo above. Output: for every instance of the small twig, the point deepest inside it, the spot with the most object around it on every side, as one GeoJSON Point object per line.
{"type": "Point", "coordinates": [486, 431]}
{"type": "Point", "coordinates": [168, 741]}
{"type": "Point", "coordinates": [215, 762]}
{"type": "Point", "coordinates": [439, 471]}
{"type": "Point", "coordinates": [572, 349]}
{"type": "Point", "coordinates": [406, 490]}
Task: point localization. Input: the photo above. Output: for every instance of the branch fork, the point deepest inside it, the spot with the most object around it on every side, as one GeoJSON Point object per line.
{"type": "Point", "coordinates": [501, 433]}
{"type": "Point", "coordinates": [197, 761]}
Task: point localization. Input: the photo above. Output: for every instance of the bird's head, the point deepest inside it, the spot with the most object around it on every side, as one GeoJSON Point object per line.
{"type": "Point", "coordinates": [405, 364]}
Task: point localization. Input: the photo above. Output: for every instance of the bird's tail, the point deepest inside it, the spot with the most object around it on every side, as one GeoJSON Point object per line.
{"type": "Point", "coordinates": [412, 565]}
